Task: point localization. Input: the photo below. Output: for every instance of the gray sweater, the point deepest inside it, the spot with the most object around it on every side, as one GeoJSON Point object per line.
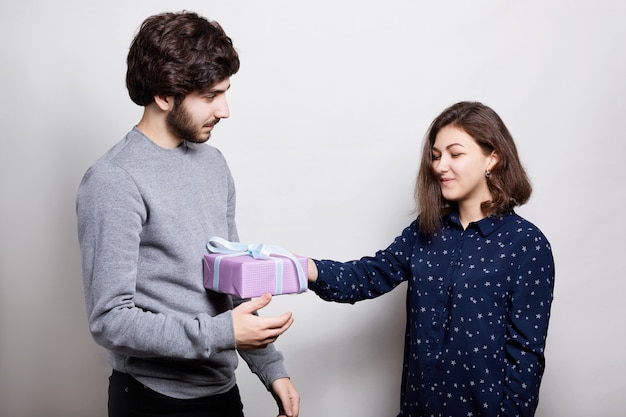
{"type": "Point", "coordinates": [145, 214]}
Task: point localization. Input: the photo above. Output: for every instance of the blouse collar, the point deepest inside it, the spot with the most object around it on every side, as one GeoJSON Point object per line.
{"type": "Point", "coordinates": [485, 226]}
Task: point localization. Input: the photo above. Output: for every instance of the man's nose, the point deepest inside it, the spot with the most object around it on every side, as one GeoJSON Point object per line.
{"type": "Point", "coordinates": [222, 111]}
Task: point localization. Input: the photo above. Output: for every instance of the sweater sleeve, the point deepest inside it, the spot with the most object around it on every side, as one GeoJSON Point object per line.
{"type": "Point", "coordinates": [265, 363]}
{"type": "Point", "coordinates": [369, 277]}
{"type": "Point", "coordinates": [110, 215]}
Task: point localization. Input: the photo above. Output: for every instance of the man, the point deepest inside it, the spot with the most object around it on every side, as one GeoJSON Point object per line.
{"type": "Point", "coordinates": [145, 211]}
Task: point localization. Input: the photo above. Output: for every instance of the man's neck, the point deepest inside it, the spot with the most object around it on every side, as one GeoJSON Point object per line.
{"type": "Point", "coordinates": [154, 126]}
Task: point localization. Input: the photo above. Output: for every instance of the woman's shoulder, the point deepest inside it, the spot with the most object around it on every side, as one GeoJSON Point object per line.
{"type": "Point", "coordinates": [524, 228]}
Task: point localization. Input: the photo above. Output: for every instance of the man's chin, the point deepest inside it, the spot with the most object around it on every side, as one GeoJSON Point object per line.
{"type": "Point", "coordinates": [199, 139]}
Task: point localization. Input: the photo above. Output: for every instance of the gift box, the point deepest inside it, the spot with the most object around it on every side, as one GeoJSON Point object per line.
{"type": "Point", "coordinates": [248, 271]}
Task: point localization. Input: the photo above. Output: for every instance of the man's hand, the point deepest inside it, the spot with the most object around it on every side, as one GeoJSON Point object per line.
{"type": "Point", "coordinates": [254, 332]}
{"type": "Point", "coordinates": [287, 397]}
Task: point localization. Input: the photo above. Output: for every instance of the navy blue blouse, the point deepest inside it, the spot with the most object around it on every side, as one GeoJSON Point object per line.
{"type": "Point", "coordinates": [478, 304]}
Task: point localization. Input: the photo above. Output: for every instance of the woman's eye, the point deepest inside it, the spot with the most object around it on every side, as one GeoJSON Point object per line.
{"type": "Point", "coordinates": [435, 157]}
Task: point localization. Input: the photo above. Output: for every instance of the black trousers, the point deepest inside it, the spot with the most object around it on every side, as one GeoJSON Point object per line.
{"type": "Point", "coordinates": [130, 398]}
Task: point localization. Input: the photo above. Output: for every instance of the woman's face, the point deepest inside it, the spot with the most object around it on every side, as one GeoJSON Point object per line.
{"type": "Point", "coordinates": [460, 165]}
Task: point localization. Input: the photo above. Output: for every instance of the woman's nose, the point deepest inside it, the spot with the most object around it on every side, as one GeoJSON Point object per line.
{"type": "Point", "coordinates": [442, 164]}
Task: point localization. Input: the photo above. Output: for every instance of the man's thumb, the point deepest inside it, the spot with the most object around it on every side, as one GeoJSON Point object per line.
{"type": "Point", "coordinates": [259, 303]}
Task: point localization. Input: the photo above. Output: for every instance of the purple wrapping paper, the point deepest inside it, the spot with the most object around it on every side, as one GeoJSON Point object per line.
{"type": "Point", "coordinates": [246, 277]}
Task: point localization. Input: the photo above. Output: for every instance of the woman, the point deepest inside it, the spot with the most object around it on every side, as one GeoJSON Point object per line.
{"type": "Point", "coordinates": [480, 277]}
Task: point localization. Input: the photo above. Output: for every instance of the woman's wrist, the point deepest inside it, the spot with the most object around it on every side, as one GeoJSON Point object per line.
{"type": "Point", "coordinates": [312, 275]}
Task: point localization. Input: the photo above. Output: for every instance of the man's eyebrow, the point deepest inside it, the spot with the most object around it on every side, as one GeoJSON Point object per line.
{"type": "Point", "coordinates": [213, 91]}
{"type": "Point", "coordinates": [218, 90]}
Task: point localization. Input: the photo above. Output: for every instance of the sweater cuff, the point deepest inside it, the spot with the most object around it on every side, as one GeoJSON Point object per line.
{"type": "Point", "coordinates": [221, 335]}
{"type": "Point", "coordinates": [267, 364]}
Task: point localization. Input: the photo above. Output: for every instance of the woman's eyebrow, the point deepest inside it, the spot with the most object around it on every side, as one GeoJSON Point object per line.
{"type": "Point", "coordinates": [434, 148]}
{"type": "Point", "coordinates": [454, 144]}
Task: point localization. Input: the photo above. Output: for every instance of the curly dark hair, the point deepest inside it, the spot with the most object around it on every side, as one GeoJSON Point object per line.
{"type": "Point", "coordinates": [508, 182]}
{"type": "Point", "coordinates": [174, 54]}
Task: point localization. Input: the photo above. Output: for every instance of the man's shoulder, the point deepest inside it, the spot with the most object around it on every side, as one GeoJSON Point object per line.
{"type": "Point", "coordinates": [112, 163]}
{"type": "Point", "coordinates": [122, 147]}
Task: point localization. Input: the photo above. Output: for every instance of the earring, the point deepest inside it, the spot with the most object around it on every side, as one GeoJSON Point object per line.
{"type": "Point", "coordinates": [487, 174]}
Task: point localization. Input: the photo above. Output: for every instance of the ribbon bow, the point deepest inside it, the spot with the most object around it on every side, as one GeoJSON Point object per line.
{"type": "Point", "coordinates": [257, 251]}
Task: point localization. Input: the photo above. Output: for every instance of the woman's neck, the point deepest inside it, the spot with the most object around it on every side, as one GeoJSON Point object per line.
{"type": "Point", "coordinates": [470, 213]}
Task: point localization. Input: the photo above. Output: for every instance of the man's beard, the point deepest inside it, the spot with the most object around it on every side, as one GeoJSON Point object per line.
{"type": "Point", "coordinates": [181, 124]}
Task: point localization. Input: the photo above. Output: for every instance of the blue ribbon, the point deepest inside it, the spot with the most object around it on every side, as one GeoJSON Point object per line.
{"type": "Point", "coordinates": [257, 251]}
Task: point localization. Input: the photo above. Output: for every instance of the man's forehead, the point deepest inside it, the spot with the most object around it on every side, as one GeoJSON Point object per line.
{"type": "Point", "coordinates": [218, 86]}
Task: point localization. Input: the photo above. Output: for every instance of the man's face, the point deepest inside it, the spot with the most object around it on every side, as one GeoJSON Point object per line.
{"type": "Point", "coordinates": [194, 118]}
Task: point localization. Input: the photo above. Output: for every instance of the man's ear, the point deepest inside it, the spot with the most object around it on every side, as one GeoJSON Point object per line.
{"type": "Point", "coordinates": [165, 103]}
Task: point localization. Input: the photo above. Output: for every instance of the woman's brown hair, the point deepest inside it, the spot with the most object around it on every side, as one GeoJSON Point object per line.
{"type": "Point", "coordinates": [508, 182]}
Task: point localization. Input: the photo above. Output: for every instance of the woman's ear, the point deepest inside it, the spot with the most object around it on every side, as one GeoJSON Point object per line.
{"type": "Point", "coordinates": [493, 160]}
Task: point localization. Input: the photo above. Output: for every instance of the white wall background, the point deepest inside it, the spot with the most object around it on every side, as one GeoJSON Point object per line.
{"type": "Point", "coordinates": [328, 113]}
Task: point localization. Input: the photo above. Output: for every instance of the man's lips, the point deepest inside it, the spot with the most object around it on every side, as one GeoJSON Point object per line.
{"type": "Point", "coordinates": [212, 124]}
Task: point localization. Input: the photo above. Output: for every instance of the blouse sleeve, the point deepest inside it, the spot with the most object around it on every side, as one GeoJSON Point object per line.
{"type": "Point", "coordinates": [368, 277]}
{"type": "Point", "coordinates": [530, 302]}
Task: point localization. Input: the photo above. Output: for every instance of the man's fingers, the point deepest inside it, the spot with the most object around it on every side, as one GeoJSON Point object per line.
{"type": "Point", "coordinates": [278, 322]}
{"type": "Point", "coordinates": [275, 326]}
{"type": "Point", "coordinates": [255, 332]}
